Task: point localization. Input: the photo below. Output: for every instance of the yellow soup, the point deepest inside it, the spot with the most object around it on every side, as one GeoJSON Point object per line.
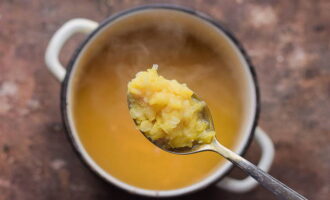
{"type": "Point", "coordinates": [101, 114]}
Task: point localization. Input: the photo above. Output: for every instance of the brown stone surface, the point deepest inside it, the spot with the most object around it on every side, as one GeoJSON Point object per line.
{"type": "Point", "coordinates": [289, 42]}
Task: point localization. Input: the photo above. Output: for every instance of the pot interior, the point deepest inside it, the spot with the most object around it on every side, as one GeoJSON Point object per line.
{"type": "Point", "coordinates": [187, 48]}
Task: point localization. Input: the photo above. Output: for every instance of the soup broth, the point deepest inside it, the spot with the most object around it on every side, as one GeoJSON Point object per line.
{"type": "Point", "coordinates": [100, 109]}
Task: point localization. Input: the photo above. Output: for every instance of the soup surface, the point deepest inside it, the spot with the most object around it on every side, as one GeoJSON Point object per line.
{"type": "Point", "coordinates": [101, 114]}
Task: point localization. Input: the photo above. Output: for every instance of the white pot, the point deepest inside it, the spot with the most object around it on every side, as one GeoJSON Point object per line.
{"type": "Point", "coordinates": [248, 131]}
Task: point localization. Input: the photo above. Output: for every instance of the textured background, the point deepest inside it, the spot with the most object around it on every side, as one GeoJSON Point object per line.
{"type": "Point", "coordinates": [289, 42]}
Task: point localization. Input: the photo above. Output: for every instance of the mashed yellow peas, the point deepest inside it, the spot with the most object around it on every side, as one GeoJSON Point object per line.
{"type": "Point", "coordinates": [166, 110]}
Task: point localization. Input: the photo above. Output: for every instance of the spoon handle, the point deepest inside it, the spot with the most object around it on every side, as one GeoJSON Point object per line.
{"type": "Point", "coordinates": [281, 191]}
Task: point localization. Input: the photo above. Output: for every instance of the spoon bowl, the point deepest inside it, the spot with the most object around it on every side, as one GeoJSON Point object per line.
{"type": "Point", "coordinates": [206, 115]}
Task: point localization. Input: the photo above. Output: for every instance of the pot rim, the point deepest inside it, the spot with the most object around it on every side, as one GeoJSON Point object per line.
{"type": "Point", "coordinates": [120, 184]}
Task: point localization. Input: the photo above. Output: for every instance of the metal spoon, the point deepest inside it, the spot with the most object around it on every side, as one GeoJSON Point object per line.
{"type": "Point", "coordinates": [280, 190]}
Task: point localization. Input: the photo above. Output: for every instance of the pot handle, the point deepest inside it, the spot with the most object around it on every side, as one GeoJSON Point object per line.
{"type": "Point", "coordinates": [60, 37]}
{"type": "Point", "coordinates": [267, 157]}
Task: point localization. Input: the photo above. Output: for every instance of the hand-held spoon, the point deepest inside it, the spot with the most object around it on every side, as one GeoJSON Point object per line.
{"type": "Point", "coordinates": [280, 190]}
